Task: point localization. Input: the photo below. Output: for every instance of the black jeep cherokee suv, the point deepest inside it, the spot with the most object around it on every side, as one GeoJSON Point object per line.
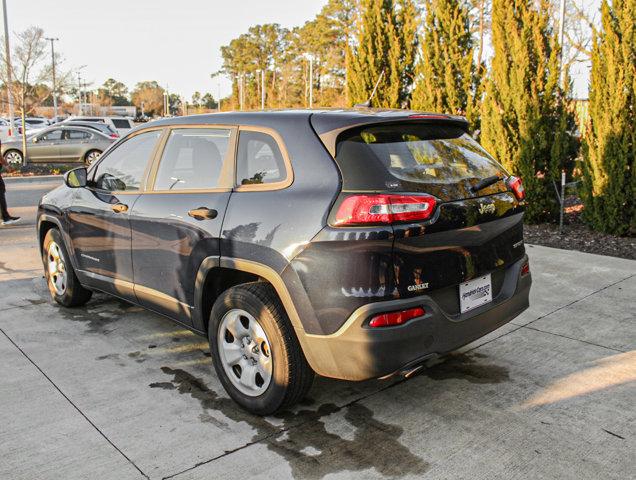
{"type": "Point", "coordinates": [353, 244]}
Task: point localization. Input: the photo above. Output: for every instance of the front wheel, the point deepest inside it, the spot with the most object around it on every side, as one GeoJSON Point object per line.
{"type": "Point", "coordinates": [14, 157]}
{"type": "Point", "coordinates": [60, 277]}
{"type": "Point", "coordinates": [255, 351]}
{"type": "Point", "coordinates": [91, 156]}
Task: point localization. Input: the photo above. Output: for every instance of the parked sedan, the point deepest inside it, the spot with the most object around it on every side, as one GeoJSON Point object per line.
{"type": "Point", "coordinates": [59, 144]}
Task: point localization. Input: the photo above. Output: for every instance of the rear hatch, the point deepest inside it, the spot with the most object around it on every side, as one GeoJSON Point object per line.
{"type": "Point", "coordinates": [463, 233]}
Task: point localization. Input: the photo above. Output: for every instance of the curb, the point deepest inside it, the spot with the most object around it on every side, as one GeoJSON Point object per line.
{"type": "Point", "coordinates": [33, 179]}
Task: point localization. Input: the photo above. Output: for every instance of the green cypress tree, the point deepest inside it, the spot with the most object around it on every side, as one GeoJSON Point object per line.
{"type": "Point", "coordinates": [610, 153]}
{"type": "Point", "coordinates": [523, 112]}
{"type": "Point", "coordinates": [386, 42]}
{"type": "Point", "coordinates": [446, 73]}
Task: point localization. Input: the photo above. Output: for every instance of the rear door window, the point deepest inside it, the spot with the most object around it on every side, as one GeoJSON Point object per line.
{"type": "Point", "coordinates": [77, 135]}
{"type": "Point", "coordinates": [259, 159]}
{"type": "Point", "coordinates": [438, 159]}
{"type": "Point", "coordinates": [193, 159]}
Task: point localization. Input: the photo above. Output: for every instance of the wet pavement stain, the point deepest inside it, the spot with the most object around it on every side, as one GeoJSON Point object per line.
{"type": "Point", "coordinates": [375, 445]}
{"type": "Point", "coordinates": [470, 367]}
{"type": "Point", "coordinates": [137, 356]}
{"type": "Point", "coordinates": [303, 440]}
{"type": "Point", "coordinates": [97, 315]}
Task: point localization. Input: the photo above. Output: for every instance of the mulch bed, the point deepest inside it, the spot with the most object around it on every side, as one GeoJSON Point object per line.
{"type": "Point", "coordinates": [37, 170]}
{"type": "Point", "coordinates": [578, 236]}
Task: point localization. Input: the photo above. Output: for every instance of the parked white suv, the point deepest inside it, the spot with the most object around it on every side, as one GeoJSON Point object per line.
{"type": "Point", "coordinates": [121, 125]}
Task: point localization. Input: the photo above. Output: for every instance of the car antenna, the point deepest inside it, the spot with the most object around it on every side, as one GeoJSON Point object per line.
{"type": "Point", "coordinates": [367, 104]}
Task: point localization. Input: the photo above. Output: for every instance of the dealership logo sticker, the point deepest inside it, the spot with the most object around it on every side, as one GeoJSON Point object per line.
{"type": "Point", "coordinates": [419, 286]}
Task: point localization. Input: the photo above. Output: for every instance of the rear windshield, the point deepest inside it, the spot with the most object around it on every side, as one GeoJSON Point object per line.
{"type": "Point", "coordinates": [119, 123]}
{"type": "Point", "coordinates": [437, 159]}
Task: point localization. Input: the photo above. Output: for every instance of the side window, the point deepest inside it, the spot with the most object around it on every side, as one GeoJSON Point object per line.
{"type": "Point", "coordinates": [259, 159]}
{"type": "Point", "coordinates": [192, 159]}
{"type": "Point", "coordinates": [52, 135]}
{"type": "Point", "coordinates": [77, 135]}
{"type": "Point", "coordinates": [124, 166]}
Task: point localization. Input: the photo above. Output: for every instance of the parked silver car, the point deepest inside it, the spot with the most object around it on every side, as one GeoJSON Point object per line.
{"type": "Point", "coordinates": [59, 144]}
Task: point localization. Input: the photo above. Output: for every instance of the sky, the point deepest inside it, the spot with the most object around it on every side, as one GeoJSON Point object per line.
{"type": "Point", "coordinates": [175, 42]}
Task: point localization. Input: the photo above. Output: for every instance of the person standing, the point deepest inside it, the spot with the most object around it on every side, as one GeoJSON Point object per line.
{"type": "Point", "coordinates": [7, 219]}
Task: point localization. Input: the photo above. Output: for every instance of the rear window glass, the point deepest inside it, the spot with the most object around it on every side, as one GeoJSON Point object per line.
{"type": "Point", "coordinates": [119, 123]}
{"type": "Point", "coordinates": [437, 159]}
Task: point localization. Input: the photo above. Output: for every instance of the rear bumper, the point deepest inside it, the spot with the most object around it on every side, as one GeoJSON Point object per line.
{"type": "Point", "coordinates": [356, 352]}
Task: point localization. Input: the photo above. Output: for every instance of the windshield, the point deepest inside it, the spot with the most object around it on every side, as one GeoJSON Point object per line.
{"type": "Point", "coordinates": [438, 159]}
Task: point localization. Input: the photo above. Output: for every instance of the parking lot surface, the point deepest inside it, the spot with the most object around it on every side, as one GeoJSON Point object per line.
{"type": "Point", "coordinates": [113, 391]}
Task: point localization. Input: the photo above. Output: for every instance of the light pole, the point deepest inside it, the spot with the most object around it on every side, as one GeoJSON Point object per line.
{"type": "Point", "coordinates": [310, 57]}
{"type": "Point", "coordinates": [80, 110]}
{"type": "Point", "coordinates": [240, 87]}
{"type": "Point", "coordinates": [7, 52]}
{"type": "Point", "coordinates": [561, 36]}
{"type": "Point", "coordinates": [263, 89]}
{"type": "Point", "coordinates": [218, 87]}
{"type": "Point", "coordinates": [52, 40]}
{"type": "Point", "coordinates": [262, 85]}
{"type": "Point", "coordinates": [86, 100]}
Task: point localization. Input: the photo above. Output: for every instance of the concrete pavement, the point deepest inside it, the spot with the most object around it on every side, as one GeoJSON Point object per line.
{"type": "Point", "coordinates": [112, 391]}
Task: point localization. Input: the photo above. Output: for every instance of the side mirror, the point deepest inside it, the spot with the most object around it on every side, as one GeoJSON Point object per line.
{"type": "Point", "coordinates": [76, 178]}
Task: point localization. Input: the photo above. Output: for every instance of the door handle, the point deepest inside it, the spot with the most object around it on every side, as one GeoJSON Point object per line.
{"type": "Point", "coordinates": [203, 213]}
{"type": "Point", "coordinates": [120, 208]}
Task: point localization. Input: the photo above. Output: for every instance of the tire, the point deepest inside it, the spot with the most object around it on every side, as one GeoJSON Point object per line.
{"type": "Point", "coordinates": [14, 157]}
{"type": "Point", "coordinates": [60, 276]}
{"type": "Point", "coordinates": [290, 374]}
{"type": "Point", "coordinates": [91, 156]}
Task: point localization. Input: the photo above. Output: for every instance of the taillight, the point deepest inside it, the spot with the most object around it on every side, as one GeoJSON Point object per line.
{"type": "Point", "coordinates": [516, 186]}
{"type": "Point", "coordinates": [525, 269]}
{"type": "Point", "coordinates": [396, 318]}
{"type": "Point", "coordinates": [114, 135]}
{"type": "Point", "coordinates": [384, 209]}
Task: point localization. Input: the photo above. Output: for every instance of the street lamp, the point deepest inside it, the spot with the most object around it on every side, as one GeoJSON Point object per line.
{"type": "Point", "coordinates": [7, 52]}
{"type": "Point", "coordinates": [53, 72]}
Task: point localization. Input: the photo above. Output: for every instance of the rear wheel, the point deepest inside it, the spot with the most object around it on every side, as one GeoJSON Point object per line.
{"type": "Point", "coordinates": [60, 277]}
{"type": "Point", "coordinates": [255, 351]}
{"type": "Point", "coordinates": [13, 157]}
{"type": "Point", "coordinates": [91, 156]}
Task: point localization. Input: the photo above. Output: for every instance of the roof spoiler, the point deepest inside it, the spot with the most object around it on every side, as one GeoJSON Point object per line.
{"type": "Point", "coordinates": [330, 137]}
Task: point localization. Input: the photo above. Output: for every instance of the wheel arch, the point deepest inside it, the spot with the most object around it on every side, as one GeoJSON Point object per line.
{"type": "Point", "coordinates": [320, 361]}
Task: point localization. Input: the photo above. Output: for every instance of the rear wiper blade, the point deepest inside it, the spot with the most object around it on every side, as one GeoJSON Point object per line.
{"type": "Point", "coordinates": [485, 182]}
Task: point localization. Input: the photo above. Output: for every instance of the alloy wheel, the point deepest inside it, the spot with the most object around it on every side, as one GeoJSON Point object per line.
{"type": "Point", "coordinates": [92, 156]}
{"type": "Point", "coordinates": [13, 158]}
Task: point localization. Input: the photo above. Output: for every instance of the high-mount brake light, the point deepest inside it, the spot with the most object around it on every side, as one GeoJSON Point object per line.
{"type": "Point", "coordinates": [384, 209]}
{"type": "Point", "coordinates": [516, 186]}
{"type": "Point", "coordinates": [391, 319]}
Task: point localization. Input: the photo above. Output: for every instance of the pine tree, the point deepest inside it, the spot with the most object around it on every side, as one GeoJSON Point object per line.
{"type": "Point", "coordinates": [386, 42]}
{"type": "Point", "coordinates": [610, 153]}
{"type": "Point", "coordinates": [446, 73]}
{"type": "Point", "coordinates": [523, 112]}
